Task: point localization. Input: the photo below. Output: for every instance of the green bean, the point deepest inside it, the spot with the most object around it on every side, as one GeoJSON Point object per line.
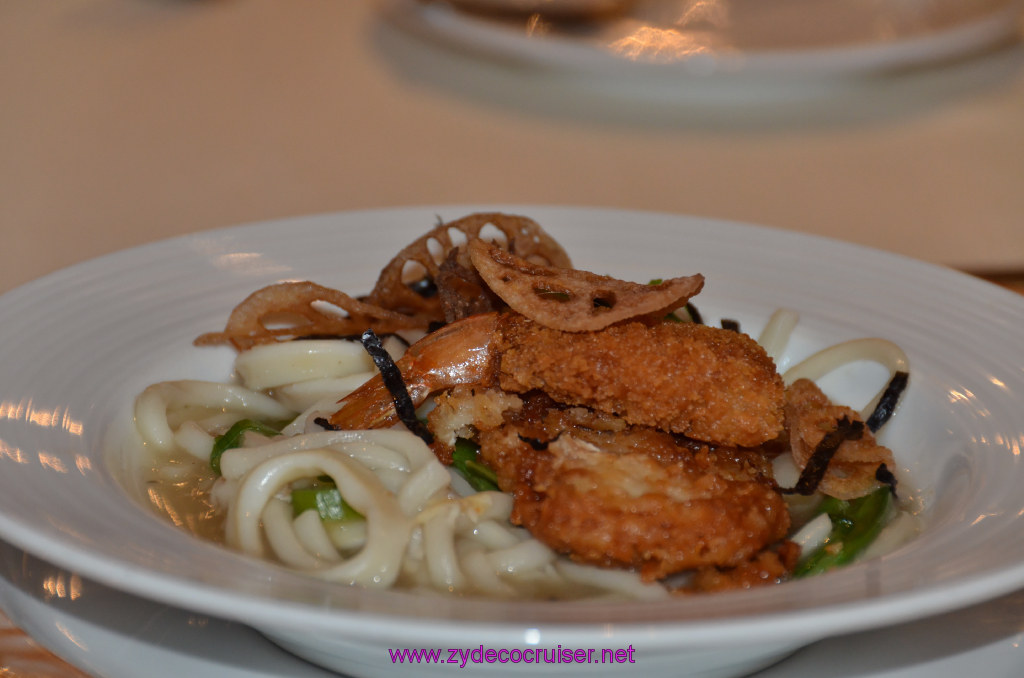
{"type": "Point", "coordinates": [855, 524]}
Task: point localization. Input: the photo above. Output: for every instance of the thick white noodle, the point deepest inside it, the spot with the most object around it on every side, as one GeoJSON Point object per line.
{"type": "Point", "coordinates": [881, 351]}
{"type": "Point", "coordinates": [423, 485]}
{"type": "Point", "coordinates": [484, 578]}
{"type": "Point", "coordinates": [287, 362]}
{"type": "Point", "coordinates": [277, 525]}
{"type": "Point", "coordinates": [348, 535]}
{"type": "Point", "coordinates": [439, 549]}
{"type": "Point", "coordinates": [194, 439]}
{"type": "Point", "coordinates": [375, 449]}
{"type": "Point", "coordinates": [310, 531]}
{"type": "Point", "coordinates": [812, 536]}
{"type": "Point", "coordinates": [777, 332]}
{"type": "Point", "coordinates": [526, 555]}
{"type": "Point", "coordinates": [493, 535]}
{"type": "Point", "coordinates": [377, 564]}
{"type": "Point", "coordinates": [614, 581]}
{"type": "Point", "coordinates": [153, 405]}
{"type": "Point", "coordinates": [304, 395]}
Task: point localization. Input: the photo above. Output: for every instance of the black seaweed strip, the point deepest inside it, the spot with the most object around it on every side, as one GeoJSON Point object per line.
{"type": "Point", "coordinates": [395, 384]}
{"type": "Point", "coordinates": [887, 403]}
{"type": "Point", "coordinates": [325, 423]}
{"type": "Point", "coordinates": [817, 465]}
{"type": "Point", "coordinates": [886, 477]}
{"type": "Point", "coordinates": [730, 324]}
{"type": "Point", "coordinates": [694, 313]}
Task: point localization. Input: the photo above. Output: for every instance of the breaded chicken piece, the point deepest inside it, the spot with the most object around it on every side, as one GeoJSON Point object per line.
{"type": "Point", "coordinates": [706, 383]}
{"type": "Point", "coordinates": [710, 384]}
{"type": "Point", "coordinates": [767, 567]}
{"type": "Point", "coordinates": [634, 497]}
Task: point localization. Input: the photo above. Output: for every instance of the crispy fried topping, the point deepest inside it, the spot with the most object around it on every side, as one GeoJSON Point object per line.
{"type": "Point", "coordinates": [422, 259]}
{"type": "Point", "coordinates": [810, 417]}
{"type": "Point", "coordinates": [302, 309]}
{"type": "Point", "coordinates": [572, 300]}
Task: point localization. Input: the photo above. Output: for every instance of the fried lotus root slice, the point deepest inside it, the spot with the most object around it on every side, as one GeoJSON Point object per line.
{"type": "Point", "coordinates": [462, 291]}
{"type": "Point", "coordinates": [290, 310]}
{"type": "Point", "coordinates": [572, 300]}
{"type": "Point", "coordinates": [810, 415]}
{"type": "Point", "coordinates": [423, 257]}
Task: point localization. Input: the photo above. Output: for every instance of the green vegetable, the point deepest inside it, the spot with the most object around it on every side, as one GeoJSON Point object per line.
{"type": "Point", "coordinates": [855, 524]}
{"type": "Point", "coordinates": [478, 475]}
{"type": "Point", "coordinates": [324, 499]}
{"type": "Point", "coordinates": [233, 438]}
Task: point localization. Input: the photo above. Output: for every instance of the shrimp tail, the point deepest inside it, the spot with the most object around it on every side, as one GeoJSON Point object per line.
{"type": "Point", "coordinates": [458, 353]}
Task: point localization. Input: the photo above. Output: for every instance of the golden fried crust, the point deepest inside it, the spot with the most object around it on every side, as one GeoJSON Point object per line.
{"type": "Point", "coordinates": [767, 567]}
{"type": "Point", "coordinates": [633, 497]}
{"type": "Point", "coordinates": [706, 383]}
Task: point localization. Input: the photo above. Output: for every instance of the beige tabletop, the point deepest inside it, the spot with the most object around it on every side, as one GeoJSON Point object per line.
{"type": "Point", "coordinates": [127, 121]}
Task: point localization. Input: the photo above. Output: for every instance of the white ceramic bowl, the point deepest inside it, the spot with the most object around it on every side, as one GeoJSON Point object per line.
{"type": "Point", "coordinates": [78, 345]}
{"type": "Point", "coordinates": [561, 8]}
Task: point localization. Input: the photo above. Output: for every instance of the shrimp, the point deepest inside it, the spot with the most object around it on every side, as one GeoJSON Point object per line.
{"type": "Point", "coordinates": [708, 384]}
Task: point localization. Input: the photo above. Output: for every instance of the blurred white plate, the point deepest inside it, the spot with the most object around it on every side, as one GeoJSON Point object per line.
{"type": "Point", "coordinates": [81, 343]}
{"type": "Point", "coordinates": [677, 38]}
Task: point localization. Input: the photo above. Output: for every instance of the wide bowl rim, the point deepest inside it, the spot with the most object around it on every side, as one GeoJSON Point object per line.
{"type": "Point", "coordinates": [656, 626]}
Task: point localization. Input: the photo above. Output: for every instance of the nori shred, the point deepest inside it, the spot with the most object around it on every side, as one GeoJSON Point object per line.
{"type": "Point", "coordinates": [730, 324]}
{"type": "Point", "coordinates": [395, 384]}
{"type": "Point", "coordinates": [887, 403]}
{"type": "Point", "coordinates": [694, 313]}
{"type": "Point", "coordinates": [886, 477]}
{"type": "Point", "coordinates": [325, 423]}
{"type": "Point", "coordinates": [817, 465]}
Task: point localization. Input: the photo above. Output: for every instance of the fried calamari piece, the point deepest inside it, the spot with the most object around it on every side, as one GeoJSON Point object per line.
{"type": "Point", "coordinates": [633, 497]}
{"type": "Point", "coordinates": [573, 300]}
{"type": "Point", "coordinates": [703, 382]}
{"type": "Point", "coordinates": [422, 259]}
{"type": "Point", "coordinates": [810, 415]}
{"type": "Point", "coordinates": [302, 309]}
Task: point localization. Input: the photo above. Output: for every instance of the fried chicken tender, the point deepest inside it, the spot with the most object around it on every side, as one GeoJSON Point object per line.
{"type": "Point", "coordinates": [767, 567]}
{"type": "Point", "coordinates": [703, 382]}
{"type": "Point", "coordinates": [613, 495]}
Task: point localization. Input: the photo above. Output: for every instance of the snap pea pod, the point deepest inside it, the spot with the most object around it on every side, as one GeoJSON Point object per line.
{"type": "Point", "coordinates": [855, 524]}
{"type": "Point", "coordinates": [479, 476]}
{"type": "Point", "coordinates": [326, 500]}
{"type": "Point", "coordinates": [233, 438]}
